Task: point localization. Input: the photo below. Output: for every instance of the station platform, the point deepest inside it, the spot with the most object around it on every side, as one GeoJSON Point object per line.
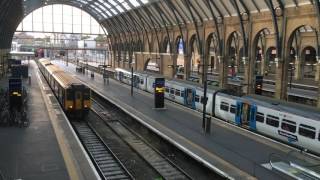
{"type": "Point", "coordinates": [48, 147]}
{"type": "Point", "coordinates": [231, 151]}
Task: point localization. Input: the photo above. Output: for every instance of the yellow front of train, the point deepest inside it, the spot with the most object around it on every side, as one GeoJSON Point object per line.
{"type": "Point", "coordinates": [78, 100]}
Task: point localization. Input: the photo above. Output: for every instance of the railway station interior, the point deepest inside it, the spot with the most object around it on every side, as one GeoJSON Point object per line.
{"type": "Point", "coordinates": [159, 89]}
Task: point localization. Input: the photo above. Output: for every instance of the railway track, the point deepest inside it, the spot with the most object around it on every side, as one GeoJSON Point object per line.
{"type": "Point", "coordinates": [166, 168]}
{"type": "Point", "coordinates": [107, 163]}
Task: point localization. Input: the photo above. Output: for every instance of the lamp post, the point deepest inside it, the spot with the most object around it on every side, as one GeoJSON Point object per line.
{"type": "Point", "coordinates": [132, 79]}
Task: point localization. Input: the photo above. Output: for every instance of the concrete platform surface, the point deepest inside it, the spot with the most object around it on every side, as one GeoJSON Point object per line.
{"type": "Point", "coordinates": [32, 152]}
{"type": "Point", "coordinates": [47, 148]}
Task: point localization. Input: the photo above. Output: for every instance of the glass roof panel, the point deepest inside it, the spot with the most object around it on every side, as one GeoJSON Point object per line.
{"type": "Point", "coordinates": [126, 5]}
{"type": "Point", "coordinates": [134, 3]}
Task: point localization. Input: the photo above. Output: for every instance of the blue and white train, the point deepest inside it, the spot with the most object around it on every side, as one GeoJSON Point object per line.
{"type": "Point", "coordinates": [294, 124]}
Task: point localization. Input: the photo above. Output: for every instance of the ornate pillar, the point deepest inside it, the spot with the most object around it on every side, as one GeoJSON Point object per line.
{"type": "Point", "coordinates": [248, 75]}
{"type": "Point", "coordinates": [298, 73]}
{"type": "Point", "coordinates": [281, 79]}
{"type": "Point", "coordinates": [223, 71]}
{"type": "Point", "coordinates": [317, 76]}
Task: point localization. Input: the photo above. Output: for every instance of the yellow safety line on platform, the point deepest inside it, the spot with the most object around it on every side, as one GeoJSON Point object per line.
{"type": "Point", "coordinates": [65, 150]}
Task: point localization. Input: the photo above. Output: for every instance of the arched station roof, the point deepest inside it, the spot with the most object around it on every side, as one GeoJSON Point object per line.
{"type": "Point", "coordinates": [129, 16]}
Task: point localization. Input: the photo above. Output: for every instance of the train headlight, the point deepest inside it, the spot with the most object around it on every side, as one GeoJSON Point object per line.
{"type": "Point", "coordinates": [70, 107]}
{"type": "Point", "coordinates": [85, 106]}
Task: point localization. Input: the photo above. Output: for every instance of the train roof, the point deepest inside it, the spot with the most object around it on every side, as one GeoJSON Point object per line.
{"type": "Point", "coordinates": [294, 108]}
{"type": "Point", "coordinates": [65, 79]}
{"type": "Point", "coordinates": [45, 61]}
{"type": "Point", "coordinates": [193, 84]}
{"type": "Point", "coordinates": [53, 69]}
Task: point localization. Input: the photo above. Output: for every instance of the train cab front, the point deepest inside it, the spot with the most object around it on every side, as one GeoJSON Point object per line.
{"type": "Point", "coordinates": [78, 101]}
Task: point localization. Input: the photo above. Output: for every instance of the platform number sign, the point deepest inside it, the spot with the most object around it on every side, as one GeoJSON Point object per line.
{"type": "Point", "coordinates": [258, 85]}
{"type": "Point", "coordinates": [159, 89]}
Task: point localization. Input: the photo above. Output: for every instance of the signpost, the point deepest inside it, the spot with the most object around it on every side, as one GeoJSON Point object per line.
{"type": "Point", "coordinates": [159, 89]}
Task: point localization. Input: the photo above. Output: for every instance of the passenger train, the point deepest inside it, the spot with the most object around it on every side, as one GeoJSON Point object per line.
{"type": "Point", "coordinates": [73, 96]}
{"type": "Point", "coordinates": [292, 123]}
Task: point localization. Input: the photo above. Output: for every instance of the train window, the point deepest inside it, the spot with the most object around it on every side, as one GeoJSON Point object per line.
{"type": "Point", "coordinates": [272, 121]}
{"type": "Point", "coordinates": [86, 94]}
{"type": "Point", "coordinates": [307, 131]}
{"type": "Point", "coordinates": [288, 125]}
{"type": "Point", "coordinates": [182, 93]}
{"type": "Point", "coordinates": [224, 106]}
{"type": "Point", "coordinates": [69, 95]}
{"type": "Point", "coordinates": [232, 109]}
{"type": "Point", "coordinates": [177, 92]}
{"type": "Point", "coordinates": [141, 81]}
{"type": "Point", "coordinates": [171, 91]}
{"type": "Point", "coordinates": [319, 136]}
{"type": "Point", "coordinates": [167, 89]}
{"type": "Point", "coordinates": [260, 117]}
{"type": "Point", "coordinates": [197, 98]}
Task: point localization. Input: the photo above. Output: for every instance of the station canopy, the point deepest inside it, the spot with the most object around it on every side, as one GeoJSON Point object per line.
{"type": "Point", "coordinates": [119, 16]}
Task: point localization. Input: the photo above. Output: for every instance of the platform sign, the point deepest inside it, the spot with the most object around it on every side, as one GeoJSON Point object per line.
{"type": "Point", "coordinates": [159, 89]}
{"type": "Point", "coordinates": [258, 85]}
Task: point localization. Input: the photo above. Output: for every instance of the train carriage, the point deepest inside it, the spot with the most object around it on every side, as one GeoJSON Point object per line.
{"type": "Point", "coordinates": [289, 122]}
{"type": "Point", "coordinates": [294, 124]}
{"type": "Point", "coordinates": [73, 95]}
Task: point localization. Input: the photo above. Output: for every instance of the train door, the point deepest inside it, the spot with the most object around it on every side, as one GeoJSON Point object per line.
{"type": "Point", "coordinates": [246, 115]}
{"type": "Point", "coordinates": [189, 98]}
{"type": "Point", "coordinates": [78, 100]}
{"type": "Point", "coordinates": [120, 76]}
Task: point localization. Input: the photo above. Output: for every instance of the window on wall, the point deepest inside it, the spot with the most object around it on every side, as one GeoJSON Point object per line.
{"type": "Point", "coordinates": [232, 109]}
{"type": "Point", "coordinates": [288, 125]}
{"type": "Point", "coordinates": [272, 120]}
{"type": "Point", "coordinates": [260, 117]}
{"type": "Point", "coordinates": [224, 106]}
{"type": "Point", "coordinates": [307, 131]}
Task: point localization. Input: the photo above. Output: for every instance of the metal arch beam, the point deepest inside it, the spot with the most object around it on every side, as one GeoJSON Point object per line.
{"type": "Point", "coordinates": [153, 24]}
{"type": "Point", "coordinates": [172, 7]}
{"type": "Point", "coordinates": [215, 22]}
{"type": "Point", "coordinates": [276, 27]}
{"type": "Point", "coordinates": [244, 35]}
{"type": "Point", "coordinates": [216, 8]}
{"type": "Point", "coordinates": [188, 4]}
{"type": "Point", "coordinates": [201, 8]}
{"type": "Point", "coordinates": [225, 7]}
{"type": "Point", "coordinates": [295, 2]}
{"type": "Point", "coordinates": [122, 16]}
{"type": "Point", "coordinates": [167, 31]}
{"type": "Point", "coordinates": [170, 4]}
{"type": "Point", "coordinates": [281, 4]}
{"type": "Point", "coordinates": [119, 21]}
{"type": "Point", "coordinates": [195, 10]}
{"type": "Point", "coordinates": [183, 11]}
{"type": "Point", "coordinates": [165, 15]}
{"type": "Point", "coordinates": [244, 6]}
{"type": "Point", "coordinates": [256, 5]}
{"type": "Point", "coordinates": [144, 28]}
{"type": "Point", "coordinates": [168, 14]}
